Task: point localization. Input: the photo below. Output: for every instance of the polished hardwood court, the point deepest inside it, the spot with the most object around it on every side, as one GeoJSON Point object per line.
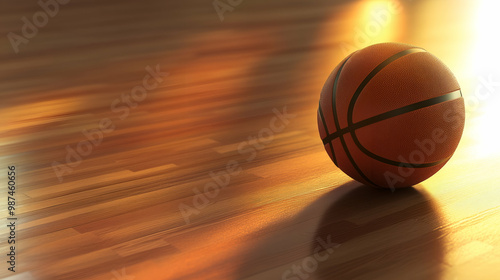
{"type": "Point", "coordinates": [178, 140]}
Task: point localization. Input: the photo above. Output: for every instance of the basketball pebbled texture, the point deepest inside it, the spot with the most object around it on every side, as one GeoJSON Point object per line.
{"type": "Point", "coordinates": [391, 115]}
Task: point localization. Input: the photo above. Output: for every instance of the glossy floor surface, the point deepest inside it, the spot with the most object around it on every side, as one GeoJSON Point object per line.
{"type": "Point", "coordinates": [202, 175]}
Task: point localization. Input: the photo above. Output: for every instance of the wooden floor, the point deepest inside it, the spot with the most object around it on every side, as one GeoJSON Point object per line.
{"type": "Point", "coordinates": [132, 205]}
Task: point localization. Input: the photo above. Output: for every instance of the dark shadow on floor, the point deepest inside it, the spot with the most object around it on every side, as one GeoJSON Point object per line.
{"type": "Point", "coordinates": [373, 234]}
{"type": "Point", "coordinates": [382, 235]}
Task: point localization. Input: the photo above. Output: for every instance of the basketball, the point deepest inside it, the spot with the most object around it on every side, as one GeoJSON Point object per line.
{"type": "Point", "coordinates": [391, 115]}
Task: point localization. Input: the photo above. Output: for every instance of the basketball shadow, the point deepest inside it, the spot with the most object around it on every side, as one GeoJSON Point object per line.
{"type": "Point", "coordinates": [353, 232]}
{"type": "Point", "coordinates": [381, 235]}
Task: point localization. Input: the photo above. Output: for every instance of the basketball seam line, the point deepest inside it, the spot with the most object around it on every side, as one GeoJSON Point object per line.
{"type": "Point", "coordinates": [337, 125]}
{"type": "Point", "coordinates": [320, 111]}
{"type": "Point", "coordinates": [357, 93]}
{"type": "Point", "coordinates": [394, 113]}
{"type": "Point", "coordinates": [392, 162]}
{"type": "Point", "coordinates": [371, 75]}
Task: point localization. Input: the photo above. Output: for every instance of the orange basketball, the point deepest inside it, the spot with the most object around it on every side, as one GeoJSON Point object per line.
{"type": "Point", "coordinates": [391, 115]}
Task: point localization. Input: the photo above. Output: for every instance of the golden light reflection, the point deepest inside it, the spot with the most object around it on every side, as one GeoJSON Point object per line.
{"type": "Point", "coordinates": [373, 22]}
{"type": "Point", "coordinates": [485, 132]}
{"type": "Point", "coordinates": [486, 55]}
{"type": "Point", "coordinates": [367, 22]}
{"type": "Point", "coordinates": [381, 21]}
{"type": "Point", "coordinates": [484, 102]}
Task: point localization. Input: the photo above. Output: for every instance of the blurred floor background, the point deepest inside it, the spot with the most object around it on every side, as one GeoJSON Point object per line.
{"type": "Point", "coordinates": [133, 206]}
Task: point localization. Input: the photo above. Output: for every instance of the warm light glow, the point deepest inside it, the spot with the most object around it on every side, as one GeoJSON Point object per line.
{"type": "Point", "coordinates": [486, 56]}
{"type": "Point", "coordinates": [380, 21]}
{"type": "Point", "coordinates": [485, 132]}
{"type": "Point", "coordinates": [364, 23]}
{"type": "Point", "coordinates": [484, 102]}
